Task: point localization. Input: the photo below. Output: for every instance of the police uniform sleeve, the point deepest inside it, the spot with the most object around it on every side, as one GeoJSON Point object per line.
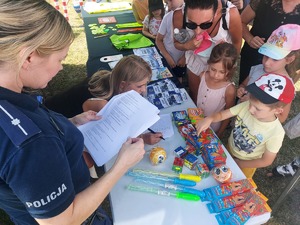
{"type": "Point", "coordinates": [39, 174]}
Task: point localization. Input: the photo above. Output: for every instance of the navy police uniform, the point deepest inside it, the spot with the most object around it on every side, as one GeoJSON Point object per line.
{"type": "Point", "coordinates": [41, 163]}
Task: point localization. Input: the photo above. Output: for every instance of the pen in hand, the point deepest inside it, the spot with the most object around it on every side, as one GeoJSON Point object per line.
{"type": "Point", "coordinates": [153, 132]}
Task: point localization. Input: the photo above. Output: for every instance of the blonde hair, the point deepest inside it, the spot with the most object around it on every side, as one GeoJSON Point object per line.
{"type": "Point", "coordinates": [99, 84]}
{"type": "Point", "coordinates": [31, 25]}
{"type": "Point", "coordinates": [131, 69]}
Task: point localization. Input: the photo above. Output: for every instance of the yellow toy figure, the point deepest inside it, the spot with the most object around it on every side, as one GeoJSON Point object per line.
{"type": "Point", "coordinates": [157, 155]}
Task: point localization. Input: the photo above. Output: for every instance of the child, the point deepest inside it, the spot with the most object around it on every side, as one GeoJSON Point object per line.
{"type": "Point", "coordinates": [130, 73]}
{"type": "Point", "coordinates": [164, 41]}
{"type": "Point", "coordinates": [280, 56]}
{"type": "Point", "coordinates": [216, 91]}
{"type": "Point", "coordinates": [153, 20]}
{"type": "Point", "coordinates": [258, 134]}
{"type": "Point", "coordinates": [98, 86]}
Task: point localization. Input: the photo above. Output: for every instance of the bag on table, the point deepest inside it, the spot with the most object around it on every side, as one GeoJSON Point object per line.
{"type": "Point", "coordinates": [130, 41]}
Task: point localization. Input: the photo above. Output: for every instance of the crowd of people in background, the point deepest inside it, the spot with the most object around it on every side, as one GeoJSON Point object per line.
{"type": "Point", "coordinates": [47, 155]}
{"type": "Point", "coordinates": [256, 22]}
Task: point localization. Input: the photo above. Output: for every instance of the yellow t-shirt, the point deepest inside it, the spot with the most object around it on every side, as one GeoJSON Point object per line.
{"type": "Point", "coordinates": [250, 138]}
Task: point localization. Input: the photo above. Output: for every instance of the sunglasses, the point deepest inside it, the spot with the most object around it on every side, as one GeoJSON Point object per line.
{"type": "Point", "coordinates": [203, 26]}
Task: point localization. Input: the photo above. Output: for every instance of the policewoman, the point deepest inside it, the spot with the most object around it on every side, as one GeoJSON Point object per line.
{"type": "Point", "coordinates": [43, 177]}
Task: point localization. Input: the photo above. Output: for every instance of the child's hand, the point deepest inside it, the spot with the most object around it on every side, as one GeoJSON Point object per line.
{"type": "Point", "coordinates": [203, 124]}
{"type": "Point", "coordinates": [152, 139]}
{"type": "Point", "coordinates": [84, 117]}
{"type": "Point", "coordinates": [241, 91]}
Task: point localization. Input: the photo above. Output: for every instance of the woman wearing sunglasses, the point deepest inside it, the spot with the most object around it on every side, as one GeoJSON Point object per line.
{"type": "Point", "coordinates": [219, 19]}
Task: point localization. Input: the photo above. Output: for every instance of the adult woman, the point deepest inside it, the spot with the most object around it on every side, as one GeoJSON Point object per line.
{"type": "Point", "coordinates": [43, 177]}
{"type": "Point", "coordinates": [267, 16]}
{"type": "Point", "coordinates": [199, 16]}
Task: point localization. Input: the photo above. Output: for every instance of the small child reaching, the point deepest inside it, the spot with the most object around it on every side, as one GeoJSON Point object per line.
{"type": "Point", "coordinates": [257, 134]}
{"type": "Point", "coordinates": [216, 90]}
{"type": "Point", "coordinates": [281, 56]}
{"type": "Point", "coordinates": [153, 20]}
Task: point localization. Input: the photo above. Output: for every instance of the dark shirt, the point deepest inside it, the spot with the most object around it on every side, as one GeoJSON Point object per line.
{"type": "Point", "coordinates": [41, 163]}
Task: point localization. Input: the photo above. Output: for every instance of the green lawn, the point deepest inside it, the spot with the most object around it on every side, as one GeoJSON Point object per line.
{"type": "Point", "coordinates": [74, 71]}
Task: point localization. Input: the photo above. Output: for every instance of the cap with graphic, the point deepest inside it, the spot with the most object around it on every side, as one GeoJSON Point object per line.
{"type": "Point", "coordinates": [271, 88]}
{"type": "Point", "coordinates": [282, 41]}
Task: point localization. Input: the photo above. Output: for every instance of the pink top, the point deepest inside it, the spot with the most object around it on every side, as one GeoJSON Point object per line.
{"type": "Point", "coordinates": [211, 100]}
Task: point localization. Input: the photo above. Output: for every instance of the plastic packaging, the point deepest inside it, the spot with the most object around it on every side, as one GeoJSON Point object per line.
{"type": "Point", "coordinates": [181, 35]}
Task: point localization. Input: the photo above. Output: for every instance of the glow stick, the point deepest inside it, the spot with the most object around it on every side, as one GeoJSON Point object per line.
{"type": "Point", "coordinates": [179, 176]}
{"type": "Point", "coordinates": [170, 186]}
{"type": "Point", "coordinates": [174, 180]}
{"type": "Point", "coordinates": [177, 194]}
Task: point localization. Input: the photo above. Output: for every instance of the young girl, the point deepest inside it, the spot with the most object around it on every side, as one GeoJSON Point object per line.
{"type": "Point", "coordinates": [216, 91]}
{"type": "Point", "coordinates": [153, 20]}
{"type": "Point", "coordinates": [130, 73]}
{"type": "Point", "coordinates": [98, 86]}
{"type": "Point", "coordinates": [281, 56]}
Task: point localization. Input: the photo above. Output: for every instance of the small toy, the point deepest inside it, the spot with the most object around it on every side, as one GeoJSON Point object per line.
{"type": "Point", "coordinates": [180, 152]}
{"type": "Point", "coordinates": [202, 170]}
{"type": "Point", "coordinates": [157, 155]}
{"type": "Point", "coordinates": [227, 189]}
{"type": "Point", "coordinates": [180, 117]}
{"type": "Point", "coordinates": [186, 129]}
{"type": "Point", "coordinates": [191, 148]}
{"type": "Point", "coordinates": [224, 215]}
{"type": "Point", "coordinates": [213, 154]}
{"type": "Point", "coordinates": [229, 202]}
{"type": "Point", "coordinates": [253, 207]}
{"type": "Point", "coordinates": [178, 164]}
{"type": "Point", "coordinates": [190, 161]}
{"type": "Point", "coordinates": [195, 115]}
{"type": "Point", "coordinates": [221, 173]}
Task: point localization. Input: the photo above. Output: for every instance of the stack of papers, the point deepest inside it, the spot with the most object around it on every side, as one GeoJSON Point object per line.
{"type": "Point", "coordinates": [125, 115]}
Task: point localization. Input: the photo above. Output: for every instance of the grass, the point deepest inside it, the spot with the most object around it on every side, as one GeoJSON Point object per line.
{"type": "Point", "coordinates": [75, 70]}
